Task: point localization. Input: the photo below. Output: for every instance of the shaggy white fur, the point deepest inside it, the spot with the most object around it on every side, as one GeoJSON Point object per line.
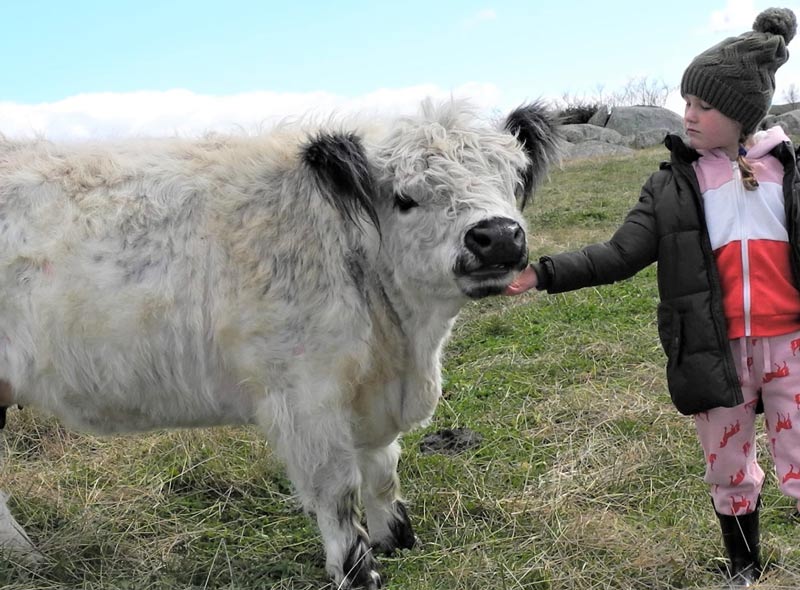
{"type": "Point", "coordinates": [304, 280]}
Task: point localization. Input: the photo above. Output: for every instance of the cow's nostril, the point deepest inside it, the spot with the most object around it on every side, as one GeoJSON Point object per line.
{"type": "Point", "coordinates": [496, 241]}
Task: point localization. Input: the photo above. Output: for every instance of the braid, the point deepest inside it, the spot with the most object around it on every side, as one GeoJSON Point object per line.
{"type": "Point", "coordinates": [748, 177]}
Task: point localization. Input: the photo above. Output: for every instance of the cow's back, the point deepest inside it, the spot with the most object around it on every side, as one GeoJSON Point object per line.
{"type": "Point", "coordinates": [161, 283]}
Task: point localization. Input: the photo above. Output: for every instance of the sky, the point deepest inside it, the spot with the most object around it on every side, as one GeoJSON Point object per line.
{"type": "Point", "coordinates": [87, 69]}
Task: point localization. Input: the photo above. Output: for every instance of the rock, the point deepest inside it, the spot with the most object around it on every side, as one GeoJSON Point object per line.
{"type": "Point", "coordinates": [789, 121]}
{"type": "Point", "coordinates": [594, 148]}
{"type": "Point", "coordinates": [780, 109]}
{"type": "Point", "coordinates": [600, 117]}
{"type": "Point", "coordinates": [632, 120]}
{"type": "Point", "coordinates": [649, 138]}
{"type": "Point", "coordinates": [630, 128]}
{"type": "Point", "coordinates": [578, 133]}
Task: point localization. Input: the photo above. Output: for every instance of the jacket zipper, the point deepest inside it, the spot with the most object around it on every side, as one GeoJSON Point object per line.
{"type": "Point", "coordinates": [741, 212]}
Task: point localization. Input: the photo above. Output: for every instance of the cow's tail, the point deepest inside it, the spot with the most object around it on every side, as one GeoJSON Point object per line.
{"type": "Point", "coordinates": [537, 130]}
{"type": "Point", "coordinates": [339, 163]}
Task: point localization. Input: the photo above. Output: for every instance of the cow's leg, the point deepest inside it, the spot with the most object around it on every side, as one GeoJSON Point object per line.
{"type": "Point", "coordinates": [322, 464]}
{"type": "Point", "coordinates": [387, 518]}
{"type": "Point", "coordinates": [13, 538]}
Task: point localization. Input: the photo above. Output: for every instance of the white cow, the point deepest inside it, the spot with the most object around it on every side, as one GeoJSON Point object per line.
{"type": "Point", "coordinates": [303, 280]}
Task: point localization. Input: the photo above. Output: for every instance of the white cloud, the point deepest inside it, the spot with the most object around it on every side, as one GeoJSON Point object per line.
{"type": "Point", "coordinates": [181, 112]}
{"type": "Point", "coordinates": [737, 17]}
{"type": "Point", "coordinates": [478, 18]}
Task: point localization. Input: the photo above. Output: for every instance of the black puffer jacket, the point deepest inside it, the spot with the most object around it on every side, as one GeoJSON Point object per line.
{"type": "Point", "coordinates": [668, 225]}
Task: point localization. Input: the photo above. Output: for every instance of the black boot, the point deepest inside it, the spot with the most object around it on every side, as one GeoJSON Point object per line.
{"type": "Point", "coordinates": [741, 537]}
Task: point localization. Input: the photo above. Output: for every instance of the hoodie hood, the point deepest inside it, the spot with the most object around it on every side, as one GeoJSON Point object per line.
{"type": "Point", "coordinates": [713, 168]}
{"type": "Point", "coordinates": [762, 144]}
{"type": "Point", "coordinates": [765, 141]}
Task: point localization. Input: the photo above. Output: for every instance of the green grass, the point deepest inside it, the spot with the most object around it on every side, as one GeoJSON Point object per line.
{"type": "Point", "coordinates": [586, 478]}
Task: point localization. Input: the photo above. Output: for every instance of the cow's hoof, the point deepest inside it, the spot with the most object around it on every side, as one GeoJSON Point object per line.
{"type": "Point", "coordinates": [374, 582]}
{"type": "Point", "coordinates": [360, 568]}
{"type": "Point", "coordinates": [402, 533]}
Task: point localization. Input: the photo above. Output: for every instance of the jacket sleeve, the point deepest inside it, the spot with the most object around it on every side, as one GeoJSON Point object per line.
{"type": "Point", "coordinates": [632, 247]}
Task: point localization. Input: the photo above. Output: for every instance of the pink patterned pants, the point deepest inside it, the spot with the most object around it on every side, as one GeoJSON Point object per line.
{"type": "Point", "coordinates": [768, 368]}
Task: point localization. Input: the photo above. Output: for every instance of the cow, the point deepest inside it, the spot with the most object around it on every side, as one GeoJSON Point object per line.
{"type": "Point", "coordinates": [303, 280]}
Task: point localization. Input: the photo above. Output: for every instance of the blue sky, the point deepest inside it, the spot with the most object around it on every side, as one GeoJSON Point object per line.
{"type": "Point", "coordinates": [88, 68]}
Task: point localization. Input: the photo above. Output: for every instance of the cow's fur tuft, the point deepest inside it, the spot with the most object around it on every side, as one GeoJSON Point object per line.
{"type": "Point", "coordinates": [537, 130]}
{"type": "Point", "coordinates": [340, 163]}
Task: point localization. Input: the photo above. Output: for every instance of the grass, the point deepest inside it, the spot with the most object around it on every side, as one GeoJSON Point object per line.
{"type": "Point", "coordinates": [586, 477]}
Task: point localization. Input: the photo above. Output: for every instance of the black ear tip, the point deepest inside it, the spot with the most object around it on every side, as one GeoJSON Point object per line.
{"type": "Point", "coordinates": [335, 156]}
{"type": "Point", "coordinates": [532, 114]}
{"type": "Point", "coordinates": [314, 154]}
{"type": "Point", "coordinates": [536, 128]}
{"type": "Point", "coordinates": [329, 148]}
{"type": "Point", "coordinates": [340, 164]}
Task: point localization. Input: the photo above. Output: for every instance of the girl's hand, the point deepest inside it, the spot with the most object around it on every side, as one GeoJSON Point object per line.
{"type": "Point", "coordinates": [525, 281]}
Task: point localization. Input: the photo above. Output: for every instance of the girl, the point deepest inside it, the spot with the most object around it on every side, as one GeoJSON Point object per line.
{"type": "Point", "coordinates": [722, 219]}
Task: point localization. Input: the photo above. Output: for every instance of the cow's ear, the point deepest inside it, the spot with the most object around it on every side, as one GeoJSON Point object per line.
{"type": "Point", "coordinates": [339, 163]}
{"type": "Point", "coordinates": [538, 132]}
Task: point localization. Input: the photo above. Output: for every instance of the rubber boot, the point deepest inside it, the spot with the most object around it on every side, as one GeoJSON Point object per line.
{"type": "Point", "coordinates": [740, 534]}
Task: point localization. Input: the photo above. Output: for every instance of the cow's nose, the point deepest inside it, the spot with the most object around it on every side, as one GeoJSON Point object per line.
{"type": "Point", "coordinates": [497, 241]}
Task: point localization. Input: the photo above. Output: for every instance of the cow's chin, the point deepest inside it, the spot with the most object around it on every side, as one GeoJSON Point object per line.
{"type": "Point", "coordinates": [481, 291]}
{"type": "Point", "coordinates": [477, 281]}
{"type": "Point", "coordinates": [485, 284]}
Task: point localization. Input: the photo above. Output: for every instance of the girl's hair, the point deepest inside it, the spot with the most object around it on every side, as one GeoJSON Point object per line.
{"type": "Point", "coordinates": [748, 177]}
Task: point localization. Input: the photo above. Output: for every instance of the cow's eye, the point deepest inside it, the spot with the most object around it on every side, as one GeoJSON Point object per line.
{"type": "Point", "coordinates": [404, 203]}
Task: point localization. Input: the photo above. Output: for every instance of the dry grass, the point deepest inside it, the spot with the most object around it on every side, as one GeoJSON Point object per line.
{"type": "Point", "coordinates": [586, 478]}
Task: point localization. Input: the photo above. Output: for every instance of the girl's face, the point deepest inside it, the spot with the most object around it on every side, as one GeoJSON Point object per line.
{"type": "Point", "coordinates": [708, 129]}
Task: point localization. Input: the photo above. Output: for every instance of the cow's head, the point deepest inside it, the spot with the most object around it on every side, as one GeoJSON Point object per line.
{"type": "Point", "coordinates": [446, 190]}
{"type": "Point", "coordinates": [451, 188]}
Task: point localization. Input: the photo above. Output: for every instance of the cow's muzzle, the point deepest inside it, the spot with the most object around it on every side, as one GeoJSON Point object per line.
{"type": "Point", "coordinates": [495, 247]}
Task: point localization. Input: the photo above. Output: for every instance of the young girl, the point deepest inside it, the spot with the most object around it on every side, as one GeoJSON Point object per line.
{"type": "Point", "coordinates": [722, 219]}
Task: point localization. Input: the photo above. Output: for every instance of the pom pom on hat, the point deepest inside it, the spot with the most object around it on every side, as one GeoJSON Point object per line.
{"type": "Point", "coordinates": [737, 76]}
{"type": "Point", "coordinates": [777, 21]}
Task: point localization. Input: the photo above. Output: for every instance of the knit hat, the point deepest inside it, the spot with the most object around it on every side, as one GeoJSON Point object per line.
{"type": "Point", "coordinates": [737, 76]}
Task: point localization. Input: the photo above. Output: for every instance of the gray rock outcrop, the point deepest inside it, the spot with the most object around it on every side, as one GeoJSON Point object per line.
{"type": "Point", "coordinates": [632, 120]}
{"type": "Point", "coordinates": [790, 121]}
{"type": "Point", "coordinates": [625, 129]}
{"type": "Point", "coordinates": [593, 149]}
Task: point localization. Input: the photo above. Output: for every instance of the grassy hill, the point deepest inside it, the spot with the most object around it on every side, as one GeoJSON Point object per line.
{"type": "Point", "coordinates": [585, 478]}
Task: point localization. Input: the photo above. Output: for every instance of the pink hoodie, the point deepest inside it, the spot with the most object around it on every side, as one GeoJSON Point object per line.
{"type": "Point", "coordinates": [748, 235]}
